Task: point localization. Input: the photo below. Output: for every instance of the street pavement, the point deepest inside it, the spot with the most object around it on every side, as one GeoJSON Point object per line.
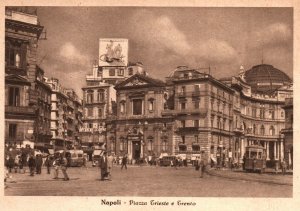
{"type": "Point", "coordinates": [151, 181]}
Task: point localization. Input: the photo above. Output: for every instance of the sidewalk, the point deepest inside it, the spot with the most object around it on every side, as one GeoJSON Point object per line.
{"type": "Point", "coordinates": [268, 177]}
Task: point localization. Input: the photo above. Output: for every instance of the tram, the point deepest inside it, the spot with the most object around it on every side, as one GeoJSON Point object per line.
{"type": "Point", "coordinates": [255, 158]}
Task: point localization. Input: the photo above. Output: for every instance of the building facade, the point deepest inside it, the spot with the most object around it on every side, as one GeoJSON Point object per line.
{"type": "Point", "coordinates": [22, 32]}
{"type": "Point", "coordinates": [139, 129]}
{"type": "Point", "coordinates": [194, 112]}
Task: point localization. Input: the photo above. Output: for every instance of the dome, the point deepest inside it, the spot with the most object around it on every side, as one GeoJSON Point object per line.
{"type": "Point", "coordinates": [266, 78]}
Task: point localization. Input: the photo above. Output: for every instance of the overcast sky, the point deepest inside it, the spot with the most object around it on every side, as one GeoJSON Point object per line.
{"type": "Point", "coordinates": [164, 38]}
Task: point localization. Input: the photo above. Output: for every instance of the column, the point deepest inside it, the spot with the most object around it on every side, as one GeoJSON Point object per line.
{"type": "Point", "coordinates": [242, 147]}
{"type": "Point", "coordinates": [281, 150]}
{"type": "Point", "coordinates": [267, 143]}
{"type": "Point", "coordinates": [142, 149]}
{"type": "Point", "coordinates": [275, 150]}
{"type": "Point", "coordinates": [129, 145]}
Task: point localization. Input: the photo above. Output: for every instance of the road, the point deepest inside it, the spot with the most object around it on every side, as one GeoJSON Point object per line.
{"type": "Point", "coordinates": [140, 181]}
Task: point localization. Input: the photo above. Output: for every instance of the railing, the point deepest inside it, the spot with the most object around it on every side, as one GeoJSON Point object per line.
{"type": "Point", "coordinates": [20, 109]}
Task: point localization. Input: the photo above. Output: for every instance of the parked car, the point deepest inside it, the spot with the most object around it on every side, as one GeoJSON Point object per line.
{"type": "Point", "coordinates": [96, 156]}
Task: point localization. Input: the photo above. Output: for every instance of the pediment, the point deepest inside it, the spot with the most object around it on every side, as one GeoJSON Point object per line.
{"type": "Point", "coordinates": [17, 79]}
{"type": "Point", "coordinates": [138, 80]}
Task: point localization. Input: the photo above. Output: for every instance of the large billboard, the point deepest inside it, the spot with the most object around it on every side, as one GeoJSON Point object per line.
{"type": "Point", "coordinates": [113, 52]}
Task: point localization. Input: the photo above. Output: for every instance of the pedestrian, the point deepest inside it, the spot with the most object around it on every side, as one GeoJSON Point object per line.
{"type": "Point", "coordinates": [202, 164]}
{"type": "Point", "coordinates": [124, 162]}
{"type": "Point", "coordinates": [48, 163]}
{"type": "Point", "coordinates": [244, 161]}
{"type": "Point", "coordinates": [84, 161]}
{"type": "Point", "coordinates": [17, 163]}
{"type": "Point", "coordinates": [230, 161]}
{"type": "Point", "coordinates": [110, 161]}
{"type": "Point", "coordinates": [218, 158]}
{"type": "Point", "coordinates": [103, 166]}
{"type": "Point", "coordinates": [176, 162]}
{"type": "Point", "coordinates": [31, 164]}
{"type": "Point", "coordinates": [11, 163]}
{"type": "Point", "coordinates": [283, 166]}
{"type": "Point", "coordinates": [39, 163]}
{"type": "Point", "coordinates": [64, 166]}
{"type": "Point", "coordinates": [56, 165]}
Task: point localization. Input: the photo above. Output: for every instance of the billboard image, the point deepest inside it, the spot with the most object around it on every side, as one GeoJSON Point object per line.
{"type": "Point", "coordinates": [113, 52]}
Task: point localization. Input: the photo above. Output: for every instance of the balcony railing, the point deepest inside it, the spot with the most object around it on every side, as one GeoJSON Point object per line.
{"type": "Point", "coordinates": [20, 109]}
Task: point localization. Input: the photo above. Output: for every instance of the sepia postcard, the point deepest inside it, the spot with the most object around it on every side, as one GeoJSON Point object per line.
{"type": "Point", "coordinates": [155, 105]}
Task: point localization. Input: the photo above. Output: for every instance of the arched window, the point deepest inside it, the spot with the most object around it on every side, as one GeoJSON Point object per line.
{"type": "Point", "coordinates": [89, 96]}
{"type": "Point", "coordinates": [100, 95]}
{"type": "Point", "coordinates": [150, 143]}
{"type": "Point", "coordinates": [151, 104]}
{"type": "Point", "coordinates": [122, 107]}
{"type": "Point", "coordinates": [164, 144]}
{"type": "Point", "coordinates": [272, 131]}
{"type": "Point", "coordinates": [122, 143]}
{"type": "Point", "coordinates": [254, 129]}
{"type": "Point", "coordinates": [262, 130]}
{"type": "Point", "coordinates": [100, 113]}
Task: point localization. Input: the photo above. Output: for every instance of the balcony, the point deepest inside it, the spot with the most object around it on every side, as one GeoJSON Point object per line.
{"type": "Point", "coordinates": [20, 110]}
{"type": "Point", "coordinates": [188, 129]}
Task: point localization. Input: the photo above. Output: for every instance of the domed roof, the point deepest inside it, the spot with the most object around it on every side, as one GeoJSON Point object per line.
{"type": "Point", "coordinates": [266, 78]}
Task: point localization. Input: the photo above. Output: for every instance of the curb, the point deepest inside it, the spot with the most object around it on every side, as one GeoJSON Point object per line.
{"type": "Point", "coordinates": [209, 172]}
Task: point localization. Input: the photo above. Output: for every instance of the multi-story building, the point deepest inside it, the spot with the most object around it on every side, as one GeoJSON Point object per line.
{"type": "Point", "coordinates": [195, 112]}
{"type": "Point", "coordinates": [22, 32]}
{"type": "Point", "coordinates": [139, 129]}
{"type": "Point", "coordinates": [202, 110]}
{"type": "Point", "coordinates": [99, 100]}
{"type": "Point", "coordinates": [42, 131]}
{"type": "Point", "coordinates": [73, 116]}
{"type": "Point", "coordinates": [260, 117]}
{"type": "Point", "coordinates": [58, 126]}
{"type": "Point", "coordinates": [288, 131]}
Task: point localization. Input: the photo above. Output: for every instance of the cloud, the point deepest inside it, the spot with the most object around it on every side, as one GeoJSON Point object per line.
{"type": "Point", "coordinates": [274, 34]}
{"type": "Point", "coordinates": [168, 44]}
{"type": "Point", "coordinates": [71, 55]}
{"type": "Point", "coordinates": [214, 50]}
{"type": "Point", "coordinates": [159, 32]}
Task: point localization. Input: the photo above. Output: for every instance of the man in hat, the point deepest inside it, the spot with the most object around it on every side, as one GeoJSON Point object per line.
{"type": "Point", "coordinates": [31, 164]}
{"type": "Point", "coordinates": [103, 166]}
{"type": "Point", "coordinates": [110, 161]}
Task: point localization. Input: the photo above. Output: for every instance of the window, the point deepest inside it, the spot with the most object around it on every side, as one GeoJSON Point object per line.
{"type": "Point", "coordinates": [100, 96]}
{"type": "Point", "coordinates": [253, 112]}
{"type": "Point", "coordinates": [196, 147]}
{"type": "Point", "coordinates": [130, 71]}
{"type": "Point", "coordinates": [196, 88]}
{"type": "Point", "coordinates": [254, 129]}
{"type": "Point", "coordinates": [100, 113]}
{"type": "Point", "coordinates": [262, 130]}
{"type": "Point", "coordinates": [182, 90]}
{"type": "Point", "coordinates": [182, 123]}
{"type": "Point", "coordinates": [272, 131]}
{"type": "Point", "coordinates": [196, 104]}
{"type": "Point", "coordinates": [150, 144]}
{"type": "Point", "coordinates": [12, 131]}
{"type": "Point", "coordinates": [122, 107]}
{"type": "Point", "coordinates": [196, 138]}
{"type": "Point", "coordinates": [90, 112]}
{"type": "Point", "coordinates": [212, 120]}
{"type": "Point", "coordinates": [282, 114]}
{"type": "Point", "coordinates": [183, 139]}
{"type": "Point", "coordinates": [272, 114]}
{"type": "Point", "coordinates": [137, 106]}
{"type": "Point", "coordinates": [182, 105]}
{"type": "Point", "coordinates": [112, 72]}
{"type": "Point", "coordinates": [15, 54]}
{"type": "Point", "coordinates": [120, 72]}
{"type": "Point", "coordinates": [196, 123]}
{"type": "Point", "coordinates": [164, 145]}
{"type": "Point", "coordinates": [89, 96]}
{"type": "Point", "coordinates": [122, 144]}
{"type": "Point", "coordinates": [151, 104]}
{"type": "Point", "coordinates": [14, 96]}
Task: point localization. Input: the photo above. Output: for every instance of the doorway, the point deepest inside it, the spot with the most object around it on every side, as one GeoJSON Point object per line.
{"type": "Point", "coordinates": [136, 150]}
